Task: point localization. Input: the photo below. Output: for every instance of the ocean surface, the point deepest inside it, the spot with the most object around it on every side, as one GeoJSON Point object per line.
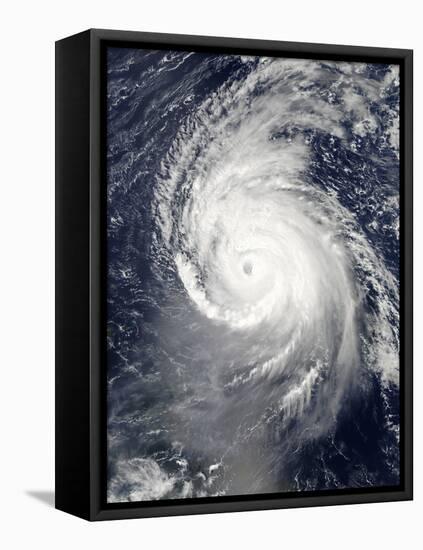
{"type": "Point", "coordinates": [253, 275]}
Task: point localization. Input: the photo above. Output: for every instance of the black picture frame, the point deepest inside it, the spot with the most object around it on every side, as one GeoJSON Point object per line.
{"type": "Point", "coordinates": [80, 275]}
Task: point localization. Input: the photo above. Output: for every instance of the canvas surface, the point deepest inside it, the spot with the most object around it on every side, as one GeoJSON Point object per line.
{"type": "Point", "coordinates": [253, 275]}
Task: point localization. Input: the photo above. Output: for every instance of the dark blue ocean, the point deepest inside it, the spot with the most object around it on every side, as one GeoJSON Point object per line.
{"type": "Point", "coordinates": [253, 269]}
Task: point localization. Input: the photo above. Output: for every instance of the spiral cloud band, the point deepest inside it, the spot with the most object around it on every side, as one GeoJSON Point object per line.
{"type": "Point", "coordinates": [253, 278]}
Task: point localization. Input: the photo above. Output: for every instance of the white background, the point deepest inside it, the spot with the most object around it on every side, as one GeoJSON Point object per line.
{"type": "Point", "coordinates": [27, 36]}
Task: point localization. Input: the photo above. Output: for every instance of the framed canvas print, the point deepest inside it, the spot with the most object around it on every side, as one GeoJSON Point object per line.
{"type": "Point", "coordinates": [234, 274]}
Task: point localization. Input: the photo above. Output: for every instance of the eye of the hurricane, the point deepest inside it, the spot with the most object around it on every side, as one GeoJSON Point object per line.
{"type": "Point", "coordinates": [248, 268]}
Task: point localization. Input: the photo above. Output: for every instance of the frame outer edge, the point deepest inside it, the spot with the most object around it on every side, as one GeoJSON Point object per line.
{"type": "Point", "coordinates": [96, 512]}
{"type": "Point", "coordinates": [72, 394]}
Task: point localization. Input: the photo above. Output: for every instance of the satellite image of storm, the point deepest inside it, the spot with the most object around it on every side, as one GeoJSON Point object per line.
{"type": "Point", "coordinates": [252, 275]}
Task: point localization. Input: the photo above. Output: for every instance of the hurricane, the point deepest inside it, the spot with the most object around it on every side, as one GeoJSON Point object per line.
{"type": "Point", "coordinates": [253, 252]}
